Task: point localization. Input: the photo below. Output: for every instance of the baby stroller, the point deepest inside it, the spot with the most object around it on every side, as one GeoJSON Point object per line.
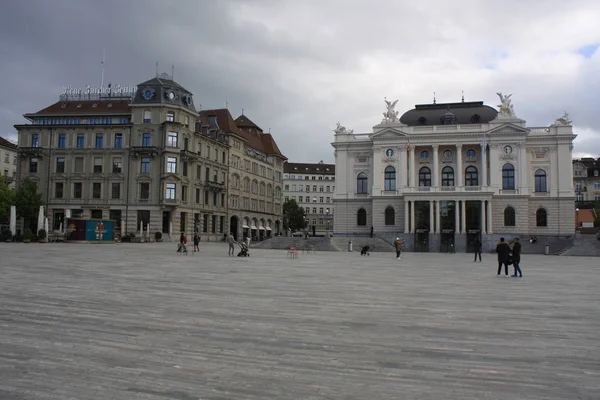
{"type": "Point", "coordinates": [243, 250]}
{"type": "Point", "coordinates": [181, 248]}
{"type": "Point", "coordinates": [365, 251]}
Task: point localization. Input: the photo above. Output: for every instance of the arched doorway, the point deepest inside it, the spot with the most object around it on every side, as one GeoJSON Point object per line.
{"type": "Point", "coordinates": [254, 229]}
{"type": "Point", "coordinates": [277, 228]}
{"type": "Point", "coordinates": [268, 227]}
{"type": "Point", "coordinates": [246, 228]}
{"type": "Point", "coordinates": [233, 227]}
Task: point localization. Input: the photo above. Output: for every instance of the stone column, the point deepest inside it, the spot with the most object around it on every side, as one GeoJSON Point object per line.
{"type": "Point", "coordinates": [437, 217]}
{"type": "Point", "coordinates": [463, 217]}
{"type": "Point", "coordinates": [484, 176]}
{"type": "Point", "coordinates": [459, 168]}
{"type": "Point", "coordinates": [406, 217]}
{"type": "Point", "coordinates": [431, 226]}
{"type": "Point", "coordinates": [456, 217]}
{"type": "Point", "coordinates": [436, 166]}
{"type": "Point", "coordinates": [412, 217]}
{"type": "Point", "coordinates": [411, 166]}
{"type": "Point", "coordinates": [483, 220]}
{"type": "Point", "coordinates": [402, 172]}
{"type": "Point", "coordinates": [522, 174]}
{"type": "Point", "coordinates": [489, 217]}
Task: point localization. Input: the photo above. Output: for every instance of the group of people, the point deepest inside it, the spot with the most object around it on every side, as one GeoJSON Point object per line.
{"type": "Point", "coordinates": [507, 256]}
{"type": "Point", "coordinates": [181, 247]}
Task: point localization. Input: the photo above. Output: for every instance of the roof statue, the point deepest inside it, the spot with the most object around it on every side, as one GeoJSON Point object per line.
{"type": "Point", "coordinates": [390, 115]}
{"type": "Point", "coordinates": [341, 130]}
{"type": "Point", "coordinates": [506, 108]}
{"type": "Point", "coordinates": [564, 120]}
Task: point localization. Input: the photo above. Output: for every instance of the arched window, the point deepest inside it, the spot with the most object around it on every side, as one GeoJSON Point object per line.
{"type": "Point", "coordinates": [471, 176]}
{"type": "Point", "coordinates": [425, 155]}
{"type": "Point", "coordinates": [509, 216]}
{"type": "Point", "coordinates": [540, 181]}
{"type": "Point", "coordinates": [390, 216]}
{"type": "Point", "coordinates": [361, 217]}
{"type": "Point", "coordinates": [471, 154]}
{"type": "Point", "coordinates": [390, 179]}
{"type": "Point", "coordinates": [424, 177]}
{"type": "Point", "coordinates": [361, 183]}
{"type": "Point", "coordinates": [447, 176]}
{"type": "Point", "coordinates": [541, 217]}
{"type": "Point", "coordinates": [508, 177]}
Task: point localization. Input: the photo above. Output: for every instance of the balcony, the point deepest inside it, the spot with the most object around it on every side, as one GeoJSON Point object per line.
{"type": "Point", "coordinates": [31, 151]}
{"type": "Point", "coordinates": [138, 151]}
{"type": "Point", "coordinates": [187, 155]}
{"type": "Point", "coordinates": [219, 186]}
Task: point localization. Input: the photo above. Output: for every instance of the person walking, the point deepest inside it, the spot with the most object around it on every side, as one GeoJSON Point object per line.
{"type": "Point", "coordinates": [196, 243]}
{"type": "Point", "coordinates": [398, 244]}
{"type": "Point", "coordinates": [231, 241]}
{"type": "Point", "coordinates": [478, 248]}
{"type": "Point", "coordinates": [503, 250]}
{"type": "Point", "coordinates": [371, 230]}
{"type": "Point", "coordinates": [516, 257]}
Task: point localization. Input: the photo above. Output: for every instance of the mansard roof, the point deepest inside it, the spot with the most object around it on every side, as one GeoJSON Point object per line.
{"type": "Point", "coordinates": [85, 107]}
{"type": "Point", "coordinates": [473, 112]}
{"type": "Point", "coordinates": [309, 168]}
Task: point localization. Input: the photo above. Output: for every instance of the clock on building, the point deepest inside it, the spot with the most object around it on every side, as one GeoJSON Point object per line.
{"type": "Point", "coordinates": [170, 95]}
{"type": "Point", "coordinates": [148, 93]}
{"type": "Point", "coordinates": [508, 150]}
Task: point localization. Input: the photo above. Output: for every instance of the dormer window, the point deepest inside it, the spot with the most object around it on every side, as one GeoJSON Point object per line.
{"type": "Point", "coordinates": [475, 118]}
{"type": "Point", "coordinates": [422, 121]}
{"type": "Point", "coordinates": [64, 105]}
{"type": "Point", "coordinates": [170, 116]}
{"type": "Point", "coordinates": [79, 105]}
{"type": "Point", "coordinates": [94, 105]}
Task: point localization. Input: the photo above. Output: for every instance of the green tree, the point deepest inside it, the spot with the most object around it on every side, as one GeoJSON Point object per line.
{"type": "Point", "coordinates": [28, 201]}
{"type": "Point", "coordinates": [7, 199]}
{"type": "Point", "coordinates": [293, 215]}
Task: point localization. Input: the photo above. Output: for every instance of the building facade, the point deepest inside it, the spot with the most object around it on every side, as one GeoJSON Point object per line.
{"type": "Point", "coordinates": [256, 180]}
{"type": "Point", "coordinates": [144, 158]}
{"type": "Point", "coordinates": [312, 186]}
{"type": "Point", "coordinates": [452, 174]}
{"type": "Point", "coordinates": [586, 179]}
{"type": "Point", "coordinates": [9, 160]}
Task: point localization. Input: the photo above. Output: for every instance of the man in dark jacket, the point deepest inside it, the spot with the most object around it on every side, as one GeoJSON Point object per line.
{"type": "Point", "coordinates": [503, 250]}
{"type": "Point", "coordinates": [516, 257]}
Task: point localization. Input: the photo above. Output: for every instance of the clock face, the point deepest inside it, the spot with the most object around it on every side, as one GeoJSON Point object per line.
{"type": "Point", "coordinates": [148, 93]}
{"type": "Point", "coordinates": [507, 150]}
{"type": "Point", "coordinates": [171, 96]}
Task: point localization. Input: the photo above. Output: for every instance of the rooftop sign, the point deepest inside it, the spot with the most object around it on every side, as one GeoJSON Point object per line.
{"type": "Point", "coordinates": [96, 93]}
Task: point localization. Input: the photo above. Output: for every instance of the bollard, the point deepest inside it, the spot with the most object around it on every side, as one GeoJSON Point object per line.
{"type": "Point", "coordinates": [350, 245]}
{"type": "Point", "coordinates": [547, 249]}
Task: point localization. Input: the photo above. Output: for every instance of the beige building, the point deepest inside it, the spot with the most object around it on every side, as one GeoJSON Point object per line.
{"type": "Point", "coordinates": [586, 179]}
{"type": "Point", "coordinates": [144, 158]}
{"type": "Point", "coordinates": [312, 187]}
{"type": "Point", "coordinates": [8, 159]}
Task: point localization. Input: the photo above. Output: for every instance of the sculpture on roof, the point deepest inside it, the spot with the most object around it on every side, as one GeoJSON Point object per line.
{"type": "Point", "coordinates": [341, 130]}
{"type": "Point", "coordinates": [390, 115]}
{"type": "Point", "coordinates": [506, 108]}
{"type": "Point", "coordinates": [564, 120]}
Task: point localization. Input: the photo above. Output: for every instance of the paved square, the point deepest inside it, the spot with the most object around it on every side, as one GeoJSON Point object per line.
{"type": "Point", "coordinates": [135, 321]}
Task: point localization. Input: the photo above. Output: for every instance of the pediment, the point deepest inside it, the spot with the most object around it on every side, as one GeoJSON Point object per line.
{"type": "Point", "coordinates": [508, 129]}
{"type": "Point", "coordinates": [389, 133]}
{"type": "Point", "coordinates": [77, 176]}
{"type": "Point", "coordinates": [144, 178]}
{"type": "Point", "coordinates": [116, 176]}
{"type": "Point", "coordinates": [171, 177]}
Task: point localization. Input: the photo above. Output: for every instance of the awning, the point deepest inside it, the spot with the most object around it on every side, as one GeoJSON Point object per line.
{"type": "Point", "coordinates": [253, 227]}
{"type": "Point", "coordinates": [262, 228]}
{"type": "Point", "coordinates": [245, 226]}
{"type": "Point", "coordinates": [268, 228]}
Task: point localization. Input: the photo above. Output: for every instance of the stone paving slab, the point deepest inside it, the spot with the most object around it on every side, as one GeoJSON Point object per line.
{"type": "Point", "coordinates": [136, 321]}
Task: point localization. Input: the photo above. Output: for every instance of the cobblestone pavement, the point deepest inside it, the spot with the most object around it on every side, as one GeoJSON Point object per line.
{"type": "Point", "coordinates": [136, 321]}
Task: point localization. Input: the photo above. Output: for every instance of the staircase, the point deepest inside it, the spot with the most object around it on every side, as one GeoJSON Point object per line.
{"type": "Point", "coordinates": [285, 242]}
{"type": "Point", "coordinates": [584, 245]}
{"type": "Point", "coordinates": [375, 244]}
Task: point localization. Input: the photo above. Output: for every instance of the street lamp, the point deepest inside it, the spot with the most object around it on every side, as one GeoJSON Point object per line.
{"type": "Point", "coordinates": [327, 220]}
{"type": "Point", "coordinates": [576, 218]}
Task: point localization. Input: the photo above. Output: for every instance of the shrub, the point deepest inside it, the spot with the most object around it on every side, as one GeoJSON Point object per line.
{"type": "Point", "coordinates": [42, 234]}
{"type": "Point", "coordinates": [27, 235]}
{"type": "Point", "coordinates": [158, 235]}
{"type": "Point", "coordinates": [6, 236]}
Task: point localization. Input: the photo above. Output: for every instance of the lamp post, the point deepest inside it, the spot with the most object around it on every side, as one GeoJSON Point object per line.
{"type": "Point", "coordinates": [576, 218]}
{"type": "Point", "coordinates": [327, 220]}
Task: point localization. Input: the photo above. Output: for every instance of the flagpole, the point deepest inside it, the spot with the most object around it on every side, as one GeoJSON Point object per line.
{"type": "Point", "coordinates": [102, 67]}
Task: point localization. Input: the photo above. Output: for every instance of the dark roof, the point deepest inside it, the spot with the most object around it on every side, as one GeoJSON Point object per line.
{"type": "Point", "coordinates": [244, 122]}
{"type": "Point", "coordinates": [309, 168]}
{"type": "Point", "coordinates": [255, 137]}
{"type": "Point", "coordinates": [591, 164]}
{"type": "Point", "coordinates": [164, 82]}
{"type": "Point", "coordinates": [9, 145]}
{"type": "Point", "coordinates": [224, 120]}
{"type": "Point", "coordinates": [474, 112]}
{"type": "Point", "coordinates": [86, 107]}
{"type": "Point", "coordinates": [162, 85]}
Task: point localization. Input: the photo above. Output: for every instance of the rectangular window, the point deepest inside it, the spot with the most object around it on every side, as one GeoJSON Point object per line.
{"type": "Point", "coordinates": [99, 140]}
{"type": "Point", "coordinates": [172, 165]}
{"type": "Point", "coordinates": [33, 165]}
{"type": "Point", "coordinates": [60, 165]}
{"type": "Point", "coordinates": [117, 166]}
{"type": "Point", "coordinates": [80, 141]}
{"type": "Point", "coordinates": [147, 116]}
{"type": "Point", "coordinates": [147, 140]}
{"type": "Point", "coordinates": [597, 185]}
{"type": "Point", "coordinates": [214, 223]}
{"type": "Point", "coordinates": [144, 191]}
{"type": "Point", "coordinates": [98, 165]}
{"type": "Point", "coordinates": [224, 158]}
{"type": "Point", "coordinates": [186, 121]}
{"type": "Point", "coordinates": [221, 224]}
{"type": "Point", "coordinates": [300, 199]}
{"type": "Point", "coordinates": [207, 174]}
{"type": "Point", "coordinates": [206, 197]}
{"type": "Point", "coordinates": [58, 190]}
{"type": "Point", "coordinates": [145, 165]}
{"type": "Point", "coordinates": [320, 199]}
{"type": "Point", "coordinates": [35, 140]}
{"type": "Point", "coordinates": [116, 190]}
{"type": "Point", "coordinates": [96, 190]}
{"type": "Point", "coordinates": [118, 141]}
{"type": "Point", "coordinates": [78, 165]}
{"type": "Point", "coordinates": [222, 200]}
{"type": "Point", "coordinates": [205, 223]}
{"type": "Point", "coordinates": [172, 139]}
{"type": "Point", "coordinates": [62, 141]}
{"type": "Point", "coordinates": [170, 116]}
{"type": "Point", "coordinates": [185, 169]}
{"type": "Point", "coordinates": [579, 197]}
{"type": "Point", "coordinates": [214, 198]}
{"type": "Point", "coordinates": [170, 191]}
{"type": "Point", "coordinates": [186, 143]}
{"type": "Point", "coordinates": [184, 193]}
{"type": "Point", "coordinates": [197, 196]}
{"type": "Point", "coordinates": [77, 190]}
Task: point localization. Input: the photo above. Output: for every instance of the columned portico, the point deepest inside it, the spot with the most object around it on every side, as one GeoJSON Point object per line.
{"type": "Point", "coordinates": [463, 217]}
{"type": "Point", "coordinates": [406, 217]}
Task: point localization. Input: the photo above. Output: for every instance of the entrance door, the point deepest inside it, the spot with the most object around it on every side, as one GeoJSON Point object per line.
{"type": "Point", "coordinates": [421, 244]}
{"type": "Point", "coordinates": [473, 236]}
{"type": "Point", "coordinates": [233, 227]}
{"type": "Point", "coordinates": [165, 221]}
{"type": "Point", "coordinates": [447, 241]}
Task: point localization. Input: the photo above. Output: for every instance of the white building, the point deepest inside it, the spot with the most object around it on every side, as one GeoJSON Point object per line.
{"type": "Point", "coordinates": [455, 173]}
{"type": "Point", "coordinates": [312, 187]}
{"type": "Point", "coordinates": [8, 158]}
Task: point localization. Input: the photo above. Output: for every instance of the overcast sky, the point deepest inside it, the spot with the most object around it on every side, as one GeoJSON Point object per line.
{"type": "Point", "coordinates": [298, 67]}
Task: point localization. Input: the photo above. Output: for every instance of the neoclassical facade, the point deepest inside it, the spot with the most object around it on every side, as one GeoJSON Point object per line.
{"type": "Point", "coordinates": [453, 174]}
